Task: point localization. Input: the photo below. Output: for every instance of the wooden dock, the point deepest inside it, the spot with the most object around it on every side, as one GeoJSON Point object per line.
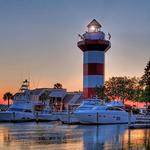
{"type": "Point", "coordinates": [139, 126]}
{"type": "Point", "coordinates": [145, 119]}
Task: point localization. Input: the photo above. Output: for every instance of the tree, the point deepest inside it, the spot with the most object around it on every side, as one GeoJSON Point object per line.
{"type": "Point", "coordinates": [146, 94]}
{"type": "Point", "coordinates": [58, 86]}
{"type": "Point", "coordinates": [146, 76]}
{"type": "Point", "coordinates": [100, 92]}
{"type": "Point", "coordinates": [121, 87]}
{"type": "Point", "coordinates": [8, 96]}
{"type": "Point", "coordinates": [138, 93]}
{"type": "Point", "coordinates": [44, 96]}
{"type": "Point", "coordinates": [146, 83]}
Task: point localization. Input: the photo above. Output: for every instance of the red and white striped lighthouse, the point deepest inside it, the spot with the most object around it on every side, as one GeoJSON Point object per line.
{"type": "Point", "coordinates": [94, 45]}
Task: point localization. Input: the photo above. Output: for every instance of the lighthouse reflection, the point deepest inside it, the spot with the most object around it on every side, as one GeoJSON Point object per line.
{"type": "Point", "coordinates": [56, 136]}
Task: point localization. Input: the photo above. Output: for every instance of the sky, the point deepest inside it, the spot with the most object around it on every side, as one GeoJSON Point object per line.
{"type": "Point", "coordinates": [38, 40]}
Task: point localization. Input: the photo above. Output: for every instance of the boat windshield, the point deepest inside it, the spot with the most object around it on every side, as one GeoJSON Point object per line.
{"type": "Point", "coordinates": [92, 102]}
{"type": "Point", "coordinates": [89, 104]}
{"type": "Point", "coordinates": [114, 108]}
{"type": "Point", "coordinates": [107, 108]}
{"type": "Point", "coordinates": [102, 107]}
{"type": "Point", "coordinates": [84, 108]}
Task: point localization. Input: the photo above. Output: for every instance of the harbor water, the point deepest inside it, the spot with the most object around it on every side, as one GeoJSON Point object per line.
{"type": "Point", "coordinates": [57, 136]}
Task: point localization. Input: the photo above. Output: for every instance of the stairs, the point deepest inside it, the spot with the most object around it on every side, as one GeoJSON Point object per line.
{"type": "Point", "coordinates": [75, 98]}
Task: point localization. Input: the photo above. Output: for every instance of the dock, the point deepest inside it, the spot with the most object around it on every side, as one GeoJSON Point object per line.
{"type": "Point", "coordinates": [139, 126]}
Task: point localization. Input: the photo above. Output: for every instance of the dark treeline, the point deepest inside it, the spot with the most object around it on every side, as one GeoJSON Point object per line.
{"type": "Point", "coordinates": [132, 88]}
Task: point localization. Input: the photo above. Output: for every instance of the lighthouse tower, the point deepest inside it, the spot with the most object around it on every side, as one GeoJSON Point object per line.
{"type": "Point", "coordinates": [94, 45]}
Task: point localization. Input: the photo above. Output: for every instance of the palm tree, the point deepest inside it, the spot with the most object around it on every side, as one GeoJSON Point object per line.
{"type": "Point", "coordinates": [44, 97]}
{"type": "Point", "coordinates": [8, 96]}
{"type": "Point", "coordinates": [100, 92]}
{"type": "Point", "coordinates": [58, 86]}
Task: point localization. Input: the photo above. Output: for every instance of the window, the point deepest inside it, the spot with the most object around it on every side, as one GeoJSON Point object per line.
{"type": "Point", "coordinates": [117, 118]}
{"type": "Point", "coordinates": [114, 108]}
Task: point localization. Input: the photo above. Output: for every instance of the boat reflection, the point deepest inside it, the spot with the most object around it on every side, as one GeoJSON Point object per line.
{"type": "Point", "coordinates": [56, 136]}
{"type": "Point", "coordinates": [40, 135]}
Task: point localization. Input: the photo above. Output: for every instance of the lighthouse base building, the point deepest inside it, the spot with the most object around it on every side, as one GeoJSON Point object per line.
{"type": "Point", "coordinates": [94, 45]}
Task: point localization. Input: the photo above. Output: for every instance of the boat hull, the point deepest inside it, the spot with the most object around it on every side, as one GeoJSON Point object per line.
{"type": "Point", "coordinates": [68, 118]}
{"type": "Point", "coordinates": [16, 117]}
{"type": "Point", "coordinates": [103, 117]}
{"type": "Point", "coordinates": [45, 117]}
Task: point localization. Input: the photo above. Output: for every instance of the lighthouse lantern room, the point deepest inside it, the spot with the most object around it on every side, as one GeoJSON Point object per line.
{"type": "Point", "coordinates": [94, 45]}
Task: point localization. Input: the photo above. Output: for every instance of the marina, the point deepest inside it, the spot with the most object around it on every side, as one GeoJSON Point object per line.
{"type": "Point", "coordinates": [68, 108]}
{"type": "Point", "coordinates": [90, 106]}
{"type": "Point", "coordinates": [55, 97]}
{"type": "Point", "coordinates": [63, 107]}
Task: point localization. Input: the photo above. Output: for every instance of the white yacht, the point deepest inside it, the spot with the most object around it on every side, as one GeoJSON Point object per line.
{"type": "Point", "coordinates": [95, 111]}
{"type": "Point", "coordinates": [25, 111]}
{"type": "Point", "coordinates": [18, 112]}
{"type": "Point", "coordinates": [86, 105]}
{"type": "Point", "coordinates": [104, 114]}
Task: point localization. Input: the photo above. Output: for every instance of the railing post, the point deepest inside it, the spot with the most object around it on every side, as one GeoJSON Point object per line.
{"type": "Point", "coordinates": [36, 117]}
{"type": "Point", "coordinates": [97, 118]}
{"type": "Point", "coordinates": [14, 117]}
{"type": "Point", "coordinates": [129, 118]}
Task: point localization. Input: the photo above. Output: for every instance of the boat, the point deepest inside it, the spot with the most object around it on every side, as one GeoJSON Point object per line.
{"type": "Point", "coordinates": [24, 109]}
{"type": "Point", "coordinates": [69, 116]}
{"type": "Point", "coordinates": [27, 111]}
{"type": "Point", "coordinates": [18, 112]}
{"type": "Point", "coordinates": [21, 110]}
{"type": "Point", "coordinates": [104, 114]}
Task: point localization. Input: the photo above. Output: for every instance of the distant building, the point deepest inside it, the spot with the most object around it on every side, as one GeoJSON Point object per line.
{"type": "Point", "coordinates": [58, 98]}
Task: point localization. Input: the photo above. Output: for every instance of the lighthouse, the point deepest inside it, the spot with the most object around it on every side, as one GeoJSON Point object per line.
{"type": "Point", "coordinates": [93, 45]}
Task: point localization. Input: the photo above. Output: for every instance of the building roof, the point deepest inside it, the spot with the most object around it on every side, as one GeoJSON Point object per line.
{"type": "Point", "coordinates": [19, 94]}
{"type": "Point", "coordinates": [39, 90]}
{"type": "Point", "coordinates": [58, 93]}
{"type": "Point", "coordinates": [95, 23]}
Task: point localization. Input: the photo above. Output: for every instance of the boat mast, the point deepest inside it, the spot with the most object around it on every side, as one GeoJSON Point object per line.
{"type": "Point", "coordinates": [25, 86]}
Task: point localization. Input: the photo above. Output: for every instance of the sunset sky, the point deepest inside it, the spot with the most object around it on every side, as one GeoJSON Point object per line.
{"type": "Point", "coordinates": [38, 40]}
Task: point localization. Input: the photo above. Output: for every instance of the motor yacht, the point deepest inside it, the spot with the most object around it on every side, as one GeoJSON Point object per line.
{"type": "Point", "coordinates": [18, 112]}
{"type": "Point", "coordinates": [104, 114]}
{"type": "Point", "coordinates": [26, 111]}
{"type": "Point", "coordinates": [86, 105]}
{"type": "Point", "coordinates": [22, 108]}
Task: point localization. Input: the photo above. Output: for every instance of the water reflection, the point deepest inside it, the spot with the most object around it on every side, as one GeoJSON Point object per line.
{"type": "Point", "coordinates": [98, 137]}
{"type": "Point", "coordinates": [56, 136]}
{"type": "Point", "coordinates": [137, 139]}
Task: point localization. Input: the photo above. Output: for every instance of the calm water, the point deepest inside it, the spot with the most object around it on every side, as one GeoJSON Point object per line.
{"type": "Point", "coordinates": [55, 136]}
